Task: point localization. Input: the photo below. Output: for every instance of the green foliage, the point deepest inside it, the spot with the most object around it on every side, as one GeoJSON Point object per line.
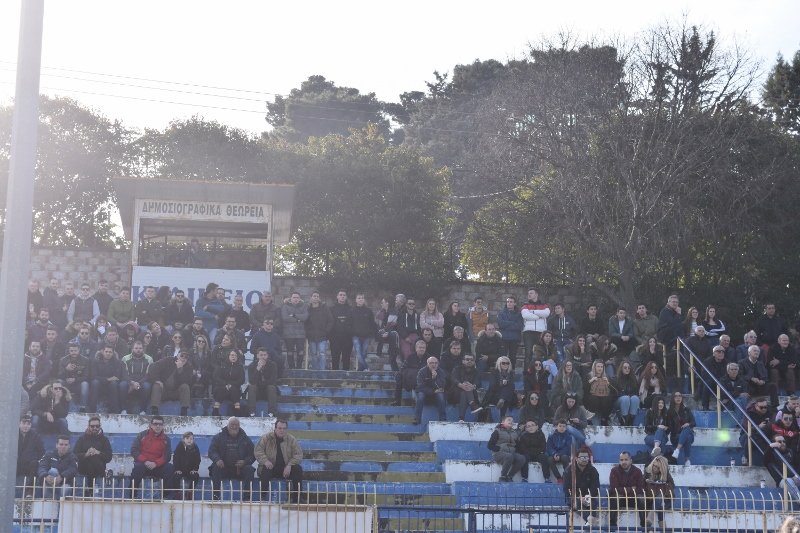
{"type": "Point", "coordinates": [79, 151]}
{"type": "Point", "coordinates": [781, 93]}
{"type": "Point", "coordinates": [320, 108]}
{"type": "Point", "coordinates": [368, 214]}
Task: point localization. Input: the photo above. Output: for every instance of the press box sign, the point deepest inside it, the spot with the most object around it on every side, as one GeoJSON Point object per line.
{"type": "Point", "coordinates": [215, 211]}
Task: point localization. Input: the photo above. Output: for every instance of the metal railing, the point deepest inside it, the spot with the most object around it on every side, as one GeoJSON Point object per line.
{"type": "Point", "coordinates": [352, 508]}
{"type": "Point", "coordinates": [735, 411]}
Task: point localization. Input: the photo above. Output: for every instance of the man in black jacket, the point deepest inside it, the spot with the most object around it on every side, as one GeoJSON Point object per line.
{"type": "Point", "coordinates": [30, 449]}
{"type": "Point", "coordinates": [57, 467]}
{"type": "Point", "coordinates": [586, 498]}
{"type": "Point", "coordinates": [232, 456]}
{"type": "Point", "coordinates": [263, 378]}
{"type": "Point", "coordinates": [93, 450]}
{"type": "Point", "coordinates": [341, 336]}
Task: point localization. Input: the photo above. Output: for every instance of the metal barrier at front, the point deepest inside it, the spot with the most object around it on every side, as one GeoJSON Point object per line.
{"type": "Point", "coordinates": [337, 507]}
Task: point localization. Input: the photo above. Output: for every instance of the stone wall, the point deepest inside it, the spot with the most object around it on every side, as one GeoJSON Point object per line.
{"type": "Point", "coordinates": [80, 265]}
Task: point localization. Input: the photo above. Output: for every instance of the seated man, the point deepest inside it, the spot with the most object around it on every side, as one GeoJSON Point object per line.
{"type": "Point", "coordinates": [267, 338]}
{"type": "Point", "coordinates": [463, 386]}
{"type": "Point", "coordinates": [151, 451]}
{"type": "Point", "coordinates": [489, 347]}
{"type": "Point", "coordinates": [171, 378]}
{"type": "Point", "coordinates": [755, 374]}
{"type": "Point", "coordinates": [36, 369]}
{"type": "Point", "coordinates": [57, 468]}
{"type": "Point", "coordinates": [758, 411]}
{"type": "Point", "coordinates": [533, 446]}
{"type": "Point", "coordinates": [30, 449]}
{"type": "Point", "coordinates": [109, 382]}
{"type": "Point", "coordinates": [782, 364]}
{"type": "Point", "coordinates": [717, 367]}
{"type": "Point", "coordinates": [93, 451]}
{"type": "Point", "coordinates": [458, 335]}
{"type": "Point", "coordinates": [406, 377]}
{"type": "Point", "coordinates": [231, 454]}
{"type": "Point", "coordinates": [626, 489]}
{"type": "Point", "coordinates": [262, 375]}
{"type": "Point", "coordinates": [430, 384]}
{"type": "Point", "coordinates": [735, 385]}
{"type": "Point", "coordinates": [279, 456]}
{"type": "Point", "coordinates": [74, 371]}
{"type": "Point", "coordinates": [587, 487]}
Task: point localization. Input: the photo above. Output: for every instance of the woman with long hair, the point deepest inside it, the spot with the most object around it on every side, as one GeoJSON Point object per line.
{"type": "Point", "coordinates": [606, 351]}
{"type": "Point", "coordinates": [680, 421]}
{"type": "Point", "coordinates": [534, 409]}
{"type": "Point", "coordinates": [627, 388]}
{"type": "Point", "coordinates": [566, 381]}
{"type": "Point", "coordinates": [228, 380]}
{"type": "Point", "coordinates": [545, 347]}
{"type": "Point", "coordinates": [431, 318]}
{"type": "Point", "coordinates": [537, 379]}
{"type": "Point", "coordinates": [655, 425]}
{"type": "Point", "coordinates": [501, 386]}
{"type": "Point", "coordinates": [201, 360]}
{"type": "Point", "coordinates": [714, 326]}
{"type": "Point", "coordinates": [599, 394]}
{"type": "Point", "coordinates": [581, 356]}
{"type": "Point", "coordinates": [651, 383]}
{"type": "Point", "coordinates": [453, 317]}
{"type": "Point", "coordinates": [691, 322]}
{"type": "Point", "coordinates": [659, 488]}
{"type": "Point", "coordinates": [651, 350]}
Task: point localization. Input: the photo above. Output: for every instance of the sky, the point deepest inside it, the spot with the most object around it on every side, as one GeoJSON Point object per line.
{"type": "Point", "coordinates": [149, 62]}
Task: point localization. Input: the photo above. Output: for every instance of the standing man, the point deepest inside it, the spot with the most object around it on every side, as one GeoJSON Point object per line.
{"type": "Point", "coordinates": [83, 307]}
{"type": "Point", "coordinates": [294, 314]}
{"type": "Point", "coordinates": [318, 329]}
{"type": "Point", "coordinates": [534, 315]}
{"type": "Point", "coordinates": [620, 331]}
{"type": "Point", "coordinates": [645, 325]}
{"type": "Point", "coordinates": [149, 309]}
{"type": "Point", "coordinates": [770, 326]}
{"type": "Point", "coordinates": [102, 297]}
{"type": "Point", "coordinates": [591, 326]}
{"type": "Point", "coordinates": [626, 488]}
{"type": "Point", "coordinates": [342, 332]}
{"type": "Point", "coordinates": [364, 329]}
{"type": "Point", "coordinates": [477, 318]}
{"type": "Point", "coordinates": [279, 456]}
{"type": "Point", "coordinates": [179, 311]}
{"type": "Point", "coordinates": [670, 323]}
{"type": "Point", "coordinates": [151, 451]}
{"type": "Point", "coordinates": [509, 324]}
{"type": "Point", "coordinates": [563, 328]}
{"type": "Point", "coordinates": [263, 309]}
{"type": "Point", "coordinates": [231, 454]}
{"type": "Point", "coordinates": [93, 450]}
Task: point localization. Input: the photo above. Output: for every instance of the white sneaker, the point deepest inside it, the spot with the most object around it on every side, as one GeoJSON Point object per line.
{"type": "Point", "coordinates": [687, 463]}
{"type": "Point", "coordinates": [676, 453]}
{"type": "Point", "coordinates": [656, 452]}
{"type": "Point", "coordinates": [744, 460]}
{"type": "Point", "coordinates": [123, 412]}
{"type": "Point", "coordinates": [477, 410]}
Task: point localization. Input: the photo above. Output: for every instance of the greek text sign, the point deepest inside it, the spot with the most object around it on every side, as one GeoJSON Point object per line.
{"type": "Point", "coordinates": [196, 210]}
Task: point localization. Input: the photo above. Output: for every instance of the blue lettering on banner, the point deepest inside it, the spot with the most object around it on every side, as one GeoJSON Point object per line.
{"type": "Point", "coordinates": [137, 293]}
{"type": "Point", "coordinates": [252, 298]}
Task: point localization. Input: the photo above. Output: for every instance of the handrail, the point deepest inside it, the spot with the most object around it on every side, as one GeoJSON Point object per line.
{"type": "Point", "coordinates": [751, 425]}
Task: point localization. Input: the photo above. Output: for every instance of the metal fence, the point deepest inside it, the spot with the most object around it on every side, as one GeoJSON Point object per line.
{"type": "Point", "coordinates": [110, 505]}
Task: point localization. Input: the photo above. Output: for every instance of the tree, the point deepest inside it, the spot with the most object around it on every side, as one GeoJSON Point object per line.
{"type": "Point", "coordinates": [368, 214]}
{"type": "Point", "coordinates": [781, 93]}
{"type": "Point", "coordinates": [79, 151]}
{"type": "Point", "coordinates": [198, 149]}
{"type": "Point", "coordinates": [319, 108]}
{"type": "Point", "coordinates": [618, 164]}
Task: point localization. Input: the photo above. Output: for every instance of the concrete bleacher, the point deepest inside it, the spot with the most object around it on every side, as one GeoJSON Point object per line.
{"type": "Point", "coordinates": [355, 441]}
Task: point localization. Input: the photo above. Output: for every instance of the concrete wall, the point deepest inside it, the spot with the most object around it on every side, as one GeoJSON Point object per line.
{"type": "Point", "coordinates": [80, 265]}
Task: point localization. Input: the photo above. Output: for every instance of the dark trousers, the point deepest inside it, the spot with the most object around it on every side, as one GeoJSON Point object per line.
{"type": "Point", "coordinates": [529, 338]}
{"type": "Point", "coordinates": [624, 502]}
{"type": "Point", "coordinates": [243, 473]}
{"type": "Point", "coordinates": [295, 352]}
{"type": "Point", "coordinates": [294, 481]}
{"type": "Point", "coordinates": [341, 350]}
{"type": "Point", "coordinates": [164, 472]}
{"type": "Point", "coordinates": [543, 461]}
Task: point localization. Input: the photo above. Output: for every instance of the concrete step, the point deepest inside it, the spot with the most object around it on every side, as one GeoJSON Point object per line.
{"type": "Point", "coordinates": [684, 476]}
{"type": "Point", "coordinates": [342, 375]}
{"type": "Point", "coordinates": [338, 383]}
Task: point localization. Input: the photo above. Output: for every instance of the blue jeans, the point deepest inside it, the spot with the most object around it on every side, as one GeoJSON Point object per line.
{"type": "Point", "coordinates": [659, 436]}
{"type": "Point", "coordinates": [318, 354]}
{"type": "Point", "coordinates": [685, 440]}
{"type": "Point", "coordinates": [560, 345]}
{"type": "Point", "coordinates": [361, 344]}
{"type": "Point", "coordinates": [441, 404]}
{"type": "Point", "coordinates": [577, 436]}
{"type": "Point", "coordinates": [627, 405]}
{"type": "Point", "coordinates": [611, 372]}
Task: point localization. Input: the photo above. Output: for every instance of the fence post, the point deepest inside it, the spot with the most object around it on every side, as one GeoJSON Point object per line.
{"type": "Point", "coordinates": [719, 408]}
{"type": "Point", "coordinates": [691, 373]}
{"type": "Point", "coordinates": [678, 358]}
{"type": "Point", "coordinates": [749, 444]}
{"type": "Point", "coordinates": [472, 525]}
{"type": "Point", "coordinates": [785, 487]}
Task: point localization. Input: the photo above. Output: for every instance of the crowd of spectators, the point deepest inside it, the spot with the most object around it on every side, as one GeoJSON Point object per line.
{"type": "Point", "coordinates": [95, 348]}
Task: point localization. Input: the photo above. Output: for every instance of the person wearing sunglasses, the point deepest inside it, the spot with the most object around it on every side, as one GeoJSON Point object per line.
{"type": "Point", "coordinates": [50, 408]}
{"type": "Point", "coordinates": [93, 450]}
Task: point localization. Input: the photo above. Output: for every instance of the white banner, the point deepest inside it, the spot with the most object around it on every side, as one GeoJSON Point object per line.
{"type": "Point", "coordinates": [207, 517]}
{"type": "Point", "coordinates": [193, 281]}
{"type": "Point", "coordinates": [196, 210]}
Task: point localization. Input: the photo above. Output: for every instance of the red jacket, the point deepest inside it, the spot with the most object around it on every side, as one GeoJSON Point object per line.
{"type": "Point", "coordinates": [151, 447]}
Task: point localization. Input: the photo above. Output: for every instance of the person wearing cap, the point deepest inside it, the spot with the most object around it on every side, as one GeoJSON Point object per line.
{"type": "Point", "coordinates": [232, 456]}
{"type": "Point", "coordinates": [717, 366]}
{"type": "Point", "coordinates": [30, 449]}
